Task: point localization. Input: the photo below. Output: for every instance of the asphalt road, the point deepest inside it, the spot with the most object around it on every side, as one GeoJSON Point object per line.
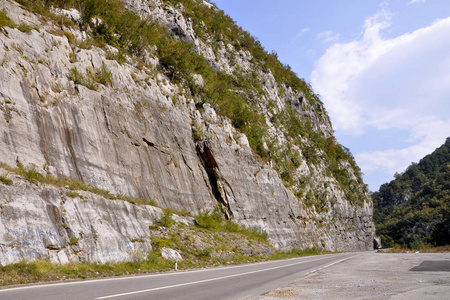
{"type": "Point", "coordinates": [236, 282]}
{"type": "Point", "coordinates": [374, 276]}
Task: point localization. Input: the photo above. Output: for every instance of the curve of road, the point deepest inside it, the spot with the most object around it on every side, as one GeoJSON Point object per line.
{"type": "Point", "coordinates": [236, 282]}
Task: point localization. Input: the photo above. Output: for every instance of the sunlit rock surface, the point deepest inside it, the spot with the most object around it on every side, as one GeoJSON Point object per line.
{"type": "Point", "coordinates": [134, 137]}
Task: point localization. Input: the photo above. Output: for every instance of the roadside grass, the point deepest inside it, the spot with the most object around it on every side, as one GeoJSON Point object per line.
{"type": "Point", "coordinates": [199, 248]}
{"type": "Point", "coordinates": [298, 253]}
{"type": "Point", "coordinates": [212, 241]}
{"type": "Point", "coordinates": [423, 248]}
{"type": "Point", "coordinates": [43, 270]}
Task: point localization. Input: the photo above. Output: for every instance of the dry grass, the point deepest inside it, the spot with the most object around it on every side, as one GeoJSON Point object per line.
{"type": "Point", "coordinates": [423, 248]}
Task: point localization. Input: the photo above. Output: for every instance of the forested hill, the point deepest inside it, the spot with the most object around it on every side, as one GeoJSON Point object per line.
{"type": "Point", "coordinates": [415, 207]}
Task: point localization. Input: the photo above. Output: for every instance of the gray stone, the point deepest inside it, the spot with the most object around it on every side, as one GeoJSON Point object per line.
{"type": "Point", "coordinates": [171, 254]}
{"type": "Point", "coordinates": [131, 138]}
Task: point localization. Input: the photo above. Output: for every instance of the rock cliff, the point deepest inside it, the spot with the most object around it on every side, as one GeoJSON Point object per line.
{"type": "Point", "coordinates": [70, 109]}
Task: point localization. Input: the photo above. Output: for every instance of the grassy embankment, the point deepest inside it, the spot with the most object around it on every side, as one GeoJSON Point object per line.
{"type": "Point", "coordinates": [212, 241]}
{"type": "Point", "coordinates": [200, 247]}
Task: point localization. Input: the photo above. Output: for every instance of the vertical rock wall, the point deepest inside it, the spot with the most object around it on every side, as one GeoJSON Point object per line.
{"type": "Point", "coordinates": [135, 137]}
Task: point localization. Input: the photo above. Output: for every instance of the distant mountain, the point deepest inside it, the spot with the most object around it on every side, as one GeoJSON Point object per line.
{"type": "Point", "coordinates": [415, 207]}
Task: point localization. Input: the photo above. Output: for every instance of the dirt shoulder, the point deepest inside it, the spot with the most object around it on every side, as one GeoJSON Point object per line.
{"type": "Point", "coordinates": [413, 276]}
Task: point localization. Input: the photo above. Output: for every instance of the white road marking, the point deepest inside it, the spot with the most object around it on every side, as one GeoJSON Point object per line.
{"type": "Point", "coordinates": [213, 279]}
{"type": "Point", "coordinates": [329, 265]}
{"type": "Point", "coordinates": [50, 285]}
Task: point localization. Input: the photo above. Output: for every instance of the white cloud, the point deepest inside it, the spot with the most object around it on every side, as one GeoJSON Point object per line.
{"type": "Point", "coordinates": [302, 32]}
{"type": "Point", "coordinates": [416, 1]}
{"type": "Point", "coordinates": [328, 36]}
{"type": "Point", "coordinates": [380, 84]}
{"type": "Point", "coordinates": [431, 135]}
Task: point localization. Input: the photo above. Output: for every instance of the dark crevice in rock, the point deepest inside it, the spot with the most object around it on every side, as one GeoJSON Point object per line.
{"type": "Point", "coordinates": [53, 213]}
{"type": "Point", "coordinates": [73, 155]}
{"type": "Point", "coordinates": [210, 165]}
{"type": "Point", "coordinates": [150, 144]}
{"type": "Point", "coordinates": [105, 115]}
{"type": "Point", "coordinates": [186, 163]}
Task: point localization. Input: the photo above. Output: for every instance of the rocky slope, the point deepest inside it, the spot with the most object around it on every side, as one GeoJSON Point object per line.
{"type": "Point", "coordinates": [70, 109]}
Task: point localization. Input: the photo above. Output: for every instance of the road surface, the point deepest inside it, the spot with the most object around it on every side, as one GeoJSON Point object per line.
{"type": "Point", "coordinates": [236, 282]}
{"type": "Point", "coordinates": [374, 276]}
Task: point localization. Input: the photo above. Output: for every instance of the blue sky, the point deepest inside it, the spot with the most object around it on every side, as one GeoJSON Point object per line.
{"type": "Point", "coordinates": [382, 68]}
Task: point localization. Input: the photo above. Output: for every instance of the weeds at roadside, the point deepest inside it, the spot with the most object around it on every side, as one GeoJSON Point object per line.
{"type": "Point", "coordinates": [199, 247]}
{"type": "Point", "coordinates": [422, 248]}
{"type": "Point", "coordinates": [43, 270]}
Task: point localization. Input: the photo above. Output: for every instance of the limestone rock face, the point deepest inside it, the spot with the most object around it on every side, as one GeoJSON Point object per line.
{"type": "Point", "coordinates": [43, 222]}
{"type": "Point", "coordinates": [134, 137]}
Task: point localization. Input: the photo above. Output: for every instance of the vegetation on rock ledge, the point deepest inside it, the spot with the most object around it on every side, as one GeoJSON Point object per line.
{"type": "Point", "coordinates": [235, 96]}
{"type": "Point", "coordinates": [35, 177]}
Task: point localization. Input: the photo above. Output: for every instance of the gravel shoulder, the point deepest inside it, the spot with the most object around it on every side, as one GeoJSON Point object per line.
{"type": "Point", "coordinates": [371, 275]}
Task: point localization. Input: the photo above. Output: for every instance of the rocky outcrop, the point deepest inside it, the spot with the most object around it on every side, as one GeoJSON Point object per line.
{"type": "Point", "coordinates": [134, 135]}
{"type": "Point", "coordinates": [47, 222]}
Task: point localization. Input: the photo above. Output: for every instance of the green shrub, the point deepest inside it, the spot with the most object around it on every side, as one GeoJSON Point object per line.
{"type": "Point", "coordinates": [255, 233]}
{"type": "Point", "coordinates": [159, 243]}
{"type": "Point", "coordinates": [69, 36]}
{"type": "Point", "coordinates": [137, 240]}
{"type": "Point", "coordinates": [209, 220]}
{"type": "Point", "coordinates": [25, 28]}
{"type": "Point", "coordinates": [5, 21]}
{"type": "Point", "coordinates": [197, 132]}
{"type": "Point", "coordinates": [33, 176]}
{"type": "Point", "coordinates": [76, 76]}
{"type": "Point", "coordinates": [206, 252]}
{"type": "Point", "coordinates": [74, 240]}
{"type": "Point", "coordinates": [231, 227]}
{"type": "Point", "coordinates": [215, 221]}
{"type": "Point", "coordinates": [104, 75]}
{"type": "Point", "coordinates": [166, 219]}
{"type": "Point", "coordinates": [5, 179]}
{"type": "Point", "coordinates": [91, 79]}
{"type": "Point", "coordinates": [73, 194]}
